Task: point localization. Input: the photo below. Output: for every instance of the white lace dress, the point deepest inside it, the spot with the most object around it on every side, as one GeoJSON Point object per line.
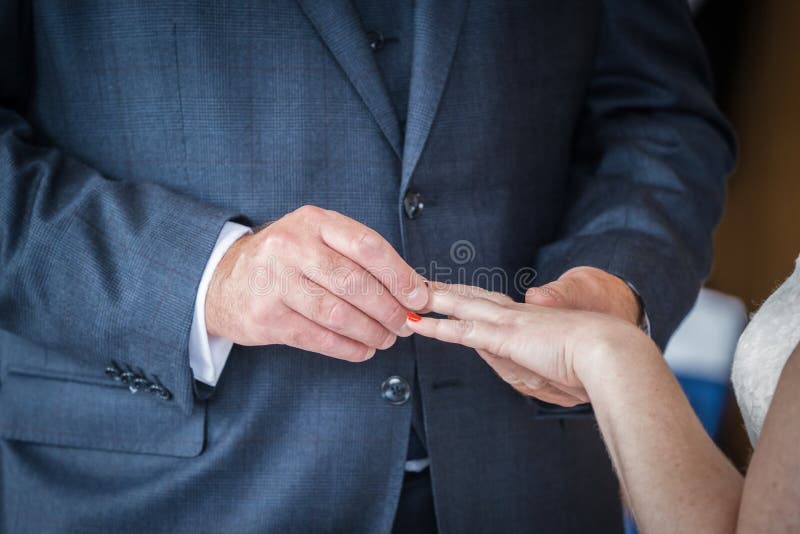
{"type": "Point", "coordinates": [763, 349]}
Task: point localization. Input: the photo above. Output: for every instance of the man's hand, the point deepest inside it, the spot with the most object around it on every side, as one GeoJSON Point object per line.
{"type": "Point", "coordinates": [315, 280]}
{"type": "Point", "coordinates": [588, 289]}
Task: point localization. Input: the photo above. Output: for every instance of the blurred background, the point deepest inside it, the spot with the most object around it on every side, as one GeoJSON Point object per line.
{"type": "Point", "coordinates": [753, 49]}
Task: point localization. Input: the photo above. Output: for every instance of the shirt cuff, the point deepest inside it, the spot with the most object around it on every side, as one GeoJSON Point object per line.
{"type": "Point", "coordinates": [208, 354]}
{"type": "Point", "coordinates": [644, 320]}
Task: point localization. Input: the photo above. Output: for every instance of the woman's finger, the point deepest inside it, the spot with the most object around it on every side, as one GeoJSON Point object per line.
{"type": "Point", "coordinates": [518, 375]}
{"type": "Point", "coordinates": [474, 291]}
{"type": "Point", "coordinates": [550, 394]}
{"type": "Point", "coordinates": [578, 394]}
{"type": "Point", "coordinates": [461, 302]}
{"type": "Point", "coordinates": [471, 333]}
{"type": "Point", "coordinates": [512, 372]}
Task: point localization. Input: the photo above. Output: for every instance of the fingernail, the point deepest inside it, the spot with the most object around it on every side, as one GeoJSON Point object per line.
{"type": "Point", "coordinates": [413, 317]}
{"type": "Point", "coordinates": [417, 298]}
{"type": "Point", "coordinates": [404, 331]}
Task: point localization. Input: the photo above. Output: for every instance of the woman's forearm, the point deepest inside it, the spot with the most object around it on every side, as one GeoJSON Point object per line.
{"type": "Point", "coordinates": [674, 478]}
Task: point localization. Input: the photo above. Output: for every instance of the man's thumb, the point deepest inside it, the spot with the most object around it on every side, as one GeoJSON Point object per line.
{"type": "Point", "coordinates": [557, 294]}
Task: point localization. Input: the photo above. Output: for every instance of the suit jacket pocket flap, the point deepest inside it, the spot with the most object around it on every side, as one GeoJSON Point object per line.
{"type": "Point", "coordinates": [41, 407]}
{"type": "Point", "coordinates": [545, 410]}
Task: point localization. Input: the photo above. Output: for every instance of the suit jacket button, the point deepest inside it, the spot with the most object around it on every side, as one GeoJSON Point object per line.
{"type": "Point", "coordinates": [376, 40]}
{"type": "Point", "coordinates": [112, 372]}
{"type": "Point", "coordinates": [412, 204]}
{"type": "Point", "coordinates": [160, 391]}
{"type": "Point", "coordinates": [396, 390]}
{"type": "Point", "coordinates": [139, 382]}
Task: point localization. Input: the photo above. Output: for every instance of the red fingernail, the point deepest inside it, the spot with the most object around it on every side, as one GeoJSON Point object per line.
{"type": "Point", "coordinates": [413, 317]}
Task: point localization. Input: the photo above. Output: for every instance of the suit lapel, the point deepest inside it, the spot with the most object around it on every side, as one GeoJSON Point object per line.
{"type": "Point", "coordinates": [437, 24]}
{"type": "Point", "coordinates": [340, 28]}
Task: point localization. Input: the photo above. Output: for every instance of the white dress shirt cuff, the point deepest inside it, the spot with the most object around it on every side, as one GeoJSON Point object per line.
{"type": "Point", "coordinates": [208, 354]}
{"type": "Point", "coordinates": [644, 320]}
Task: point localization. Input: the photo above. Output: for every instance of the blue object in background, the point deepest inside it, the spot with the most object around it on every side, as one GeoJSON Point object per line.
{"type": "Point", "coordinates": [707, 399]}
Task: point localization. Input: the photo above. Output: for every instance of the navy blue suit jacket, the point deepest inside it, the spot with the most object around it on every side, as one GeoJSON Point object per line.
{"type": "Point", "coordinates": [545, 134]}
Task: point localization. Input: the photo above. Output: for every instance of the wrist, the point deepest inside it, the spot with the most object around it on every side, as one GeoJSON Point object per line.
{"type": "Point", "coordinates": [219, 289]}
{"type": "Point", "coordinates": [619, 352]}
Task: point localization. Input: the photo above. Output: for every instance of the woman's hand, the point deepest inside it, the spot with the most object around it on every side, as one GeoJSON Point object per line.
{"type": "Point", "coordinates": [664, 458]}
{"type": "Point", "coordinates": [541, 351]}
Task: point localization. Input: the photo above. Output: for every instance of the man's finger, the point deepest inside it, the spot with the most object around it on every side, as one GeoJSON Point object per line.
{"type": "Point", "coordinates": [473, 291]}
{"type": "Point", "coordinates": [558, 294]}
{"type": "Point", "coordinates": [350, 282]}
{"type": "Point", "coordinates": [456, 300]}
{"type": "Point", "coordinates": [303, 333]}
{"type": "Point", "coordinates": [370, 250]}
{"type": "Point", "coordinates": [331, 312]}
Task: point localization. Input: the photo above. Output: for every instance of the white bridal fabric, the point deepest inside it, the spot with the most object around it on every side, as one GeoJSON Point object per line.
{"type": "Point", "coordinates": [763, 349]}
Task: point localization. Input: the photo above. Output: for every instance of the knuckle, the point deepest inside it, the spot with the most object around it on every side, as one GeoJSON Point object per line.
{"type": "Point", "coordinates": [309, 211]}
{"type": "Point", "coordinates": [515, 319]}
{"type": "Point", "coordinates": [345, 279]}
{"type": "Point", "coordinates": [336, 315]}
{"type": "Point", "coordinates": [327, 342]}
{"type": "Point", "coordinates": [464, 327]}
{"type": "Point", "coordinates": [316, 308]}
{"type": "Point", "coordinates": [276, 239]}
{"type": "Point", "coordinates": [326, 264]}
{"type": "Point", "coordinates": [395, 316]}
{"type": "Point", "coordinates": [365, 243]}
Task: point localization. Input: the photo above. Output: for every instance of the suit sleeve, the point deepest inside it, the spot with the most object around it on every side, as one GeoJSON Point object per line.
{"type": "Point", "coordinates": [650, 160]}
{"type": "Point", "coordinates": [99, 269]}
